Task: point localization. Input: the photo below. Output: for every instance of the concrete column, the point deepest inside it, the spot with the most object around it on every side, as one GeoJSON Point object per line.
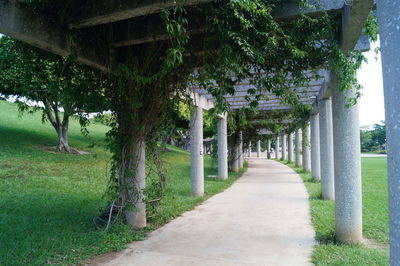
{"type": "Point", "coordinates": [297, 140]}
{"type": "Point", "coordinates": [269, 144]}
{"type": "Point", "coordinates": [137, 217]}
{"type": "Point", "coordinates": [283, 147]}
{"type": "Point", "coordinates": [196, 151]}
{"type": "Point", "coordinates": [326, 149]}
{"type": "Point", "coordinates": [249, 151]}
{"type": "Point", "coordinates": [306, 148]}
{"type": "Point", "coordinates": [315, 154]}
{"type": "Point", "coordinates": [258, 148]}
{"type": "Point", "coordinates": [277, 147]}
{"type": "Point", "coordinates": [241, 156]}
{"type": "Point", "coordinates": [268, 149]}
{"type": "Point", "coordinates": [235, 161]}
{"type": "Point", "coordinates": [290, 148]}
{"type": "Point", "coordinates": [222, 149]}
{"type": "Point", "coordinates": [347, 158]}
{"type": "Point", "coordinates": [388, 13]}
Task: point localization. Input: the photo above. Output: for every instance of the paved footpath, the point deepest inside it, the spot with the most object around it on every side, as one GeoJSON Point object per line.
{"type": "Point", "coordinates": [263, 219]}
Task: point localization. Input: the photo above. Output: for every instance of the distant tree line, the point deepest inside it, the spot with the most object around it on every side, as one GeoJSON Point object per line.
{"type": "Point", "coordinates": [373, 139]}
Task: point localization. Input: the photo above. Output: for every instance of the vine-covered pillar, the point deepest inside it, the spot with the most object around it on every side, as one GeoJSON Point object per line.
{"type": "Point", "coordinates": [258, 148]}
{"type": "Point", "coordinates": [222, 148]}
{"type": "Point", "coordinates": [388, 12]}
{"type": "Point", "coordinates": [277, 147]}
{"type": "Point", "coordinates": [326, 149]}
{"type": "Point", "coordinates": [249, 150]}
{"type": "Point", "coordinates": [241, 157]}
{"type": "Point", "coordinates": [284, 141]}
{"type": "Point", "coordinates": [290, 147]}
{"type": "Point", "coordinates": [347, 158]}
{"type": "Point", "coordinates": [306, 148]}
{"type": "Point", "coordinates": [196, 151]}
{"type": "Point", "coordinates": [297, 140]}
{"type": "Point", "coordinates": [135, 185]}
{"type": "Point", "coordinates": [315, 151]}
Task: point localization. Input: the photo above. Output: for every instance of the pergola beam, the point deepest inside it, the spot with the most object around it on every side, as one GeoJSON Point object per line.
{"type": "Point", "coordinates": [353, 21]}
{"type": "Point", "coordinates": [263, 102]}
{"type": "Point", "coordinates": [109, 11]}
{"type": "Point", "coordinates": [290, 10]}
{"type": "Point", "coordinates": [21, 24]}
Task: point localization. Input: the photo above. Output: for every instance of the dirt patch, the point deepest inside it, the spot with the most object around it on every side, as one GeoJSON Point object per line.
{"type": "Point", "coordinates": [102, 259]}
{"type": "Point", "coordinates": [53, 149]}
{"type": "Point", "coordinates": [370, 243]}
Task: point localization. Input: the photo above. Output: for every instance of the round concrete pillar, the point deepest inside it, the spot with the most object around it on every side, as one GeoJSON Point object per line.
{"type": "Point", "coordinates": [326, 149]}
{"type": "Point", "coordinates": [388, 12]}
{"type": "Point", "coordinates": [196, 151]}
{"type": "Point", "coordinates": [249, 150]}
{"type": "Point", "coordinates": [297, 140]}
{"type": "Point", "coordinates": [258, 148]}
{"type": "Point", "coordinates": [315, 154]}
{"type": "Point", "coordinates": [348, 197]}
{"type": "Point", "coordinates": [290, 148]}
{"type": "Point", "coordinates": [277, 147]}
{"type": "Point", "coordinates": [241, 157]}
{"type": "Point", "coordinates": [306, 148]}
{"type": "Point", "coordinates": [222, 149]}
{"type": "Point", "coordinates": [284, 141]}
{"type": "Point", "coordinates": [137, 217]}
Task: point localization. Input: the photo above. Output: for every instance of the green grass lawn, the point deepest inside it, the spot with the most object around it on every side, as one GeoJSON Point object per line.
{"type": "Point", "coordinates": [375, 219]}
{"type": "Point", "coordinates": [48, 201]}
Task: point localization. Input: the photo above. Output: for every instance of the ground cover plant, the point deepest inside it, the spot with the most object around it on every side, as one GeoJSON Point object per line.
{"type": "Point", "coordinates": [48, 200]}
{"type": "Point", "coordinates": [375, 219]}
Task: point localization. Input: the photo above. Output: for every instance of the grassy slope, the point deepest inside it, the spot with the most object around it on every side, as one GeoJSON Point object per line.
{"type": "Point", "coordinates": [375, 219]}
{"type": "Point", "coordinates": [47, 201]}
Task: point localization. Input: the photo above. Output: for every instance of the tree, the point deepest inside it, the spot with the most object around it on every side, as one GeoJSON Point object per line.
{"type": "Point", "coordinates": [60, 86]}
{"type": "Point", "coordinates": [373, 139]}
{"type": "Point", "coordinates": [379, 134]}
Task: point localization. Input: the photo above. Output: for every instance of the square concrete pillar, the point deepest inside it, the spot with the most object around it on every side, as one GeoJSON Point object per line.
{"type": "Point", "coordinates": [277, 147]}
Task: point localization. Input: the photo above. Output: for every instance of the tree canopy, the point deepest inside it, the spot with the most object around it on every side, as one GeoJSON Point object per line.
{"type": "Point", "coordinates": [60, 86]}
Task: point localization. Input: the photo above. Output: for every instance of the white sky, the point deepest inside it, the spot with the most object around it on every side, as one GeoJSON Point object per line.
{"type": "Point", "coordinates": [370, 77]}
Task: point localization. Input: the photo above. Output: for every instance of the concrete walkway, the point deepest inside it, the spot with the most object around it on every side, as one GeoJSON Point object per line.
{"type": "Point", "coordinates": [263, 219]}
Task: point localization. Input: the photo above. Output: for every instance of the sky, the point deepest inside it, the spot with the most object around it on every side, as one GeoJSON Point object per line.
{"type": "Point", "coordinates": [370, 77]}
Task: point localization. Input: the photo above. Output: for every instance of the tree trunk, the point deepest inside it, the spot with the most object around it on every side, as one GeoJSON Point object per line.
{"type": "Point", "coordinates": [62, 134]}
